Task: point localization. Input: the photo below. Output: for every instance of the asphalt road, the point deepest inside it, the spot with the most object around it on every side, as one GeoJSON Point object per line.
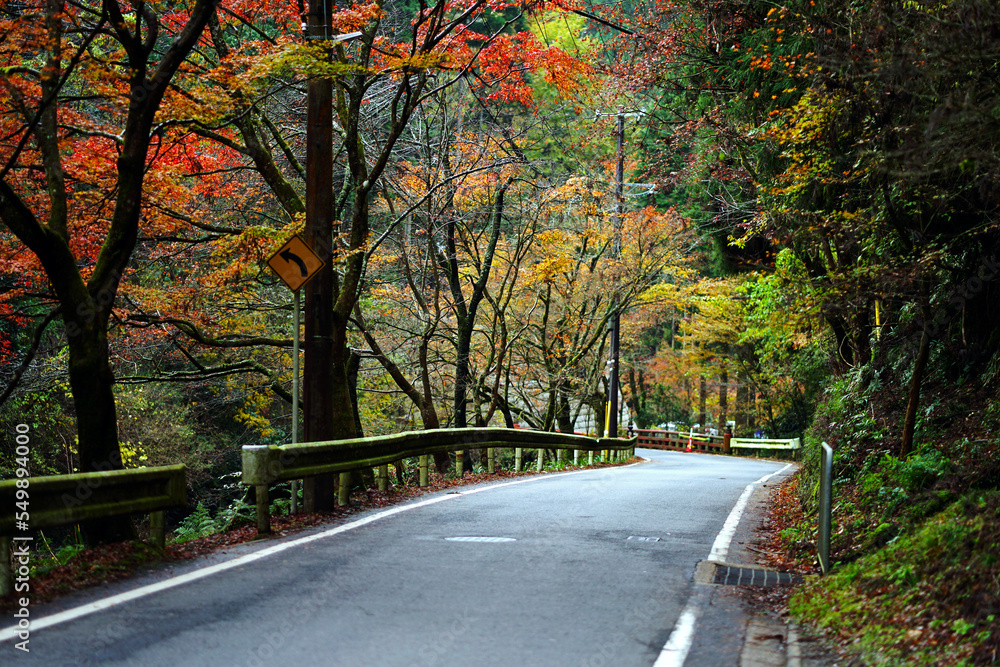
{"type": "Point", "coordinates": [587, 568]}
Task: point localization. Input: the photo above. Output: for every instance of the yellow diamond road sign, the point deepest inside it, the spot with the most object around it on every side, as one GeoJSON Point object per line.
{"type": "Point", "coordinates": [295, 263]}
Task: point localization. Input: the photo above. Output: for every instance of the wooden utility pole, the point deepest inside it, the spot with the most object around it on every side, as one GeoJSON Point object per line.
{"type": "Point", "coordinates": [616, 253]}
{"type": "Point", "coordinates": [317, 380]}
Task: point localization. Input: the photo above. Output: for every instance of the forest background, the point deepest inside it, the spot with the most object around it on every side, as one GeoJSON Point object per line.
{"type": "Point", "coordinates": [808, 247]}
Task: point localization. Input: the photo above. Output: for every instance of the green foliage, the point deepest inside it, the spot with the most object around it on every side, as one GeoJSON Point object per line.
{"type": "Point", "coordinates": [44, 563]}
{"type": "Point", "coordinates": [918, 470]}
{"type": "Point", "coordinates": [197, 524]}
{"type": "Point", "coordinates": [898, 605]}
{"type": "Point", "coordinates": [662, 405]}
{"type": "Point", "coordinates": [48, 412]}
{"type": "Point", "coordinates": [245, 513]}
{"type": "Point", "coordinates": [787, 338]}
{"type": "Point", "coordinates": [237, 513]}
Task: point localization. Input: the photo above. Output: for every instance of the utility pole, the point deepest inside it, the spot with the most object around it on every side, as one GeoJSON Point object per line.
{"type": "Point", "coordinates": [614, 384]}
{"type": "Point", "coordinates": [616, 254]}
{"type": "Point", "coordinates": [317, 381]}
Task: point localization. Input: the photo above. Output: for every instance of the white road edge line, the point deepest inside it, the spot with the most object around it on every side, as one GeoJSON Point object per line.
{"type": "Point", "coordinates": [720, 548]}
{"type": "Point", "coordinates": [675, 651]}
{"type": "Point", "coordinates": [115, 600]}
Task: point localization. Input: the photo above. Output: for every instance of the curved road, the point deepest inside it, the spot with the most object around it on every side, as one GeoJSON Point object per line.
{"type": "Point", "coordinates": [584, 568]}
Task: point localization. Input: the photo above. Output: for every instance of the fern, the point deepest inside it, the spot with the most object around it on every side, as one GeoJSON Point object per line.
{"type": "Point", "coordinates": [197, 524]}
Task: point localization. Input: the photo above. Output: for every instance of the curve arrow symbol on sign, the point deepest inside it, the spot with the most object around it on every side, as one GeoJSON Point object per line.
{"type": "Point", "coordinates": [290, 256]}
{"type": "Point", "coordinates": [295, 263]}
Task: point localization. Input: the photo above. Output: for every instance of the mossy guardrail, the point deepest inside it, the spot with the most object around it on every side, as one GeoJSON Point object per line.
{"type": "Point", "coordinates": [30, 503]}
{"type": "Point", "coordinates": [264, 465]}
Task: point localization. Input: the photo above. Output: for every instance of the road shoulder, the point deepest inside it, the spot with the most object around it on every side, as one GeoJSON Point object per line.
{"type": "Point", "coordinates": [748, 625]}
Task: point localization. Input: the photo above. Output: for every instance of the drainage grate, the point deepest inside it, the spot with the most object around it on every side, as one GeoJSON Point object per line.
{"type": "Point", "coordinates": [473, 538]}
{"type": "Point", "coordinates": [731, 575]}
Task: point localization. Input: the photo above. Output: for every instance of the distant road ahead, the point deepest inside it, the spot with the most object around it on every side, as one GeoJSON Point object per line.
{"type": "Point", "coordinates": [587, 568]}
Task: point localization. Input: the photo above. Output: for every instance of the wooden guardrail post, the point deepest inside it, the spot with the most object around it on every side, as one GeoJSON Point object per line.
{"type": "Point", "coordinates": [344, 489]}
{"type": "Point", "coordinates": [541, 459]}
{"type": "Point", "coordinates": [157, 529]}
{"type": "Point", "coordinates": [422, 466]}
{"type": "Point", "coordinates": [460, 463]}
{"type": "Point", "coordinates": [491, 460]}
{"type": "Point", "coordinates": [259, 468]}
{"type": "Point", "coordinates": [263, 508]}
{"type": "Point", "coordinates": [518, 458]}
{"type": "Point", "coordinates": [383, 477]}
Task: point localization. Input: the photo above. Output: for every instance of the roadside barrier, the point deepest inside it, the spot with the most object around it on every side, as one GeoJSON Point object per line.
{"type": "Point", "coordinates": [790, 445]}
{"type": "Point", "coordinates": [680, 441]}
{"type": "Point", "coordinates": [263, 465]}
{"type": "Point", "coordinates": [718, 444]}
{"type": "Point", "coordinates": [30, 503]}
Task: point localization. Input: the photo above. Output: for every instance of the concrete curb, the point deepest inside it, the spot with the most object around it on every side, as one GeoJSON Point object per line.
{"type": "Point", "coordinates": [765, 644]}
{"type": "Point", "coordinates": [794, 651]}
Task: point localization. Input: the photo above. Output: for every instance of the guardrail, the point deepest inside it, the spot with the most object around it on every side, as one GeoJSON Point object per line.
{"type": "Point", "coordinates": [681, 441]}
{"type": "Point", "coordinates": [720, 444]}
{"type": "Point", "coordinates": [757, 443]}
{"type": "Point", "coordinates": [31, 503]}
{"type": "Point", "coordinates": [263, 465]}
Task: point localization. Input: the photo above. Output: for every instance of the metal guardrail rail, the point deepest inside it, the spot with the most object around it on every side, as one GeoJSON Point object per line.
{"type": "Point", "coordinates": [757, 443]}
{"type": "Point", "coordinates": [30, 503]}
{"type": "Point", "coordinates": [264, 465]}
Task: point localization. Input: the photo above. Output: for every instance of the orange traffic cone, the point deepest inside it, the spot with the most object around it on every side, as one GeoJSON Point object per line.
{"type": "Point", "coordinates": [690, 447]}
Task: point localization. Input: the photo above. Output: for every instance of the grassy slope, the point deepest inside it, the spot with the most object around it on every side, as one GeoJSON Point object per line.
{"type": "Point", "coordinates": [917, 540]}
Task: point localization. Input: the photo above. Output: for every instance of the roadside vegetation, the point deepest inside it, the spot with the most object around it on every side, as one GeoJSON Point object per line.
{"type": "Point", "coordinates": [916, 575]}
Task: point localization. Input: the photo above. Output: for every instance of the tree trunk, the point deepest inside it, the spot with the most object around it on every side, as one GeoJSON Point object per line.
{"type": "Point", "coordinates": [91, 381]}
{"type": "Point", "coordinates": [916, 380]}
{"type": "Point", "coordinates": [723, 399]}
{"type": "Point", "coordinates": [563, 417]}
{"type": "Point", "coordinates": [466, 311]}
{"type": "Point", "coordinates": [353, 368]}
{"type": "Point", "coordinates": [702, 400]}
{"type": "Point", "coordinates": [637, 399]}
{"type": "Point", "coordinates": [742, 401]}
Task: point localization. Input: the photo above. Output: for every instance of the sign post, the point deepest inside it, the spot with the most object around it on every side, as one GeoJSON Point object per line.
{"type": "Point", "coordinates": [295, 263]}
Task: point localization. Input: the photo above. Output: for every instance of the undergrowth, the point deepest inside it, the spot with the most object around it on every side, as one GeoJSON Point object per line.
{"type": "Point", "coordinates": [916, 576]}
{"type": "Point", "coordinates": [927, 598]}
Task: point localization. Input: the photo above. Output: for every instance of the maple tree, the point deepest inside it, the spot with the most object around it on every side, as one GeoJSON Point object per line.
{"type": "Point", "coordinates": [228, 118]}
{"type": "Point", "coordinates": [82, 242]}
